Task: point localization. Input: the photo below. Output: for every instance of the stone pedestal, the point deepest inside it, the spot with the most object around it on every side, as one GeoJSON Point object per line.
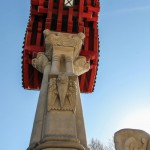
{"type": "Point", "coordinates": [59, 123]}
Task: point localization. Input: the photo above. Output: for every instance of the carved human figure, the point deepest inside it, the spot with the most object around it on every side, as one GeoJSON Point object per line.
{"type": "Point", "coordinates": [71, 94]}
{"type": "Point", "coordinates": [52, 93]}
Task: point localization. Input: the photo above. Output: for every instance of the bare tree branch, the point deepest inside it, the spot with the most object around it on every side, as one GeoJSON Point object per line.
{"type": "Point", "coordinates": [95, 144]}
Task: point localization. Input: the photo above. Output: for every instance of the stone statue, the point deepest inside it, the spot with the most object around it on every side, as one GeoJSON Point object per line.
{"type": "Point", "coordinates": [59, 121]}
{"type": "Point", "coordinates": [131, 139]}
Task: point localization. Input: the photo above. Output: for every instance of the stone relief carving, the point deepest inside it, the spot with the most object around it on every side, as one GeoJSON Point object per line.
{"type": "Point", "coordinates": [40, 62]}
{"type": "Point", "coordinates": [81, 65]}
{"type": "Point", "coordinates": [62, 85]}
{"type": "Point", "coordinates": [65, 40]}
{"type": "Point", "coordinates": [72, 92]}
{"type": "Point", "coordinates": [67, 46]}
{"type": "Point", "coordinates": [62, 92]}
{"type": "Point", "coordinates": [59, 90]}
{"type": "Point", "coordinates": [131, 139]}
{"type": "Point", "coordinates": [132, 144]}
{"type": "Point", "coordinates": [52, 92]}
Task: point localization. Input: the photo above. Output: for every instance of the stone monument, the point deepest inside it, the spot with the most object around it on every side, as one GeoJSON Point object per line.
{"type": "Point", "coordinates": [61, 64]}
{"type": "Point", "coordinates": [58, 123]}
{"type": "Point", "coordinates": [132, 139]}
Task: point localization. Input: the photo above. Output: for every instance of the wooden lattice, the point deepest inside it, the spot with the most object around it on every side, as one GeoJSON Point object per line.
{"type": "Point", "coordinates": [51, 14]}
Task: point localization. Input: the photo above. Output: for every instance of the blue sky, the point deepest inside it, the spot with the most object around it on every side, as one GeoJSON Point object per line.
{"type": "Point", "coordinates": [122, 92]}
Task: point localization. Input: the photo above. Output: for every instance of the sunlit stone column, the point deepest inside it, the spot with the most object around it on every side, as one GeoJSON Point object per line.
{"type": "Point", "coordinates": [42, 64]}
{"type": "Point", "coordinates": [59, 123]}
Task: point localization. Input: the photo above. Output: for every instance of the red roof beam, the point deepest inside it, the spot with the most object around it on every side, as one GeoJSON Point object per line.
{"type": "Point", "coordinates": [85, 53]}
{"type": "Point", "coordinates": [93, 9]}
{"type": "Point", "coordinates": [25, 70]}
{"type": "Point", "coordinates": [60, 13]}
{"type": "Point", "coordinates": [80, 15]}
{"type": "Point", "coordinates": [90, 55]}
{"type": "Point", "coordinates": [39, 34]}
{"type": "Point", "coordinates": [70, 22]}
{"type": "Point", "coordinates": [34, 2]}
{"type": "Point", "coordinates": [49, 15]}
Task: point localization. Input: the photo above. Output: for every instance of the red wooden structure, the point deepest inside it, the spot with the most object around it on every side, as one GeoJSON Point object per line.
{"type": "Point", "coordinates": [51, 14]}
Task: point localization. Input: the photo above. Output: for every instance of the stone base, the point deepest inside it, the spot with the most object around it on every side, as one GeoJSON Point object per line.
{"type": "Point", "coordinates": [59, 145]}
{"type": "Point", "coordinates": [59, 149]}
{"type": "Point", "coordinates": [63, 149]}
{"type": "Point", "coordinates": [60, 126]}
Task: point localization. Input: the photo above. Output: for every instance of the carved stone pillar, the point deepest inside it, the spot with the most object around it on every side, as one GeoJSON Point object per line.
{"type": "Point", "coordinates": [42, 64]}
{"type": "Point", "coordinates": [59, 123]}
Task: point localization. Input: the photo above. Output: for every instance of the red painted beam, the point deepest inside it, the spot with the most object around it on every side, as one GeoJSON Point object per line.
{"type": "Point", "coordinates": [80, 16]}
{"type": "Point", "coordinates": [86, 12]}
{"type": "Point", "coordinates": [70, 22]}
{"type": "Point", "coordinates": [49, 14]}
{"type": "Point", "coordinates": [60, 12]}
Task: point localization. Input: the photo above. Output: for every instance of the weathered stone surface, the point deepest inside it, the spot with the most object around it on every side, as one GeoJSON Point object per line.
{"type": "Point", "coordinates": [59, 123]}
{"type": "Point", "coordinates": [62, 52]}
{"type": "Point", "coordinates": [59, 149]}
{"type": "Point", "coordinates": [63, 97]}
{"type": "Point", "coordinates": [59, 145]}
{"type": "Point", "coordinates": [131, 139]}
{"type": "Point", "coordinates": [54, 39]}
{"type": "Point", "coordinates": [40, 110]}
{"type": "Point", "coordinates": [40, 62]}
